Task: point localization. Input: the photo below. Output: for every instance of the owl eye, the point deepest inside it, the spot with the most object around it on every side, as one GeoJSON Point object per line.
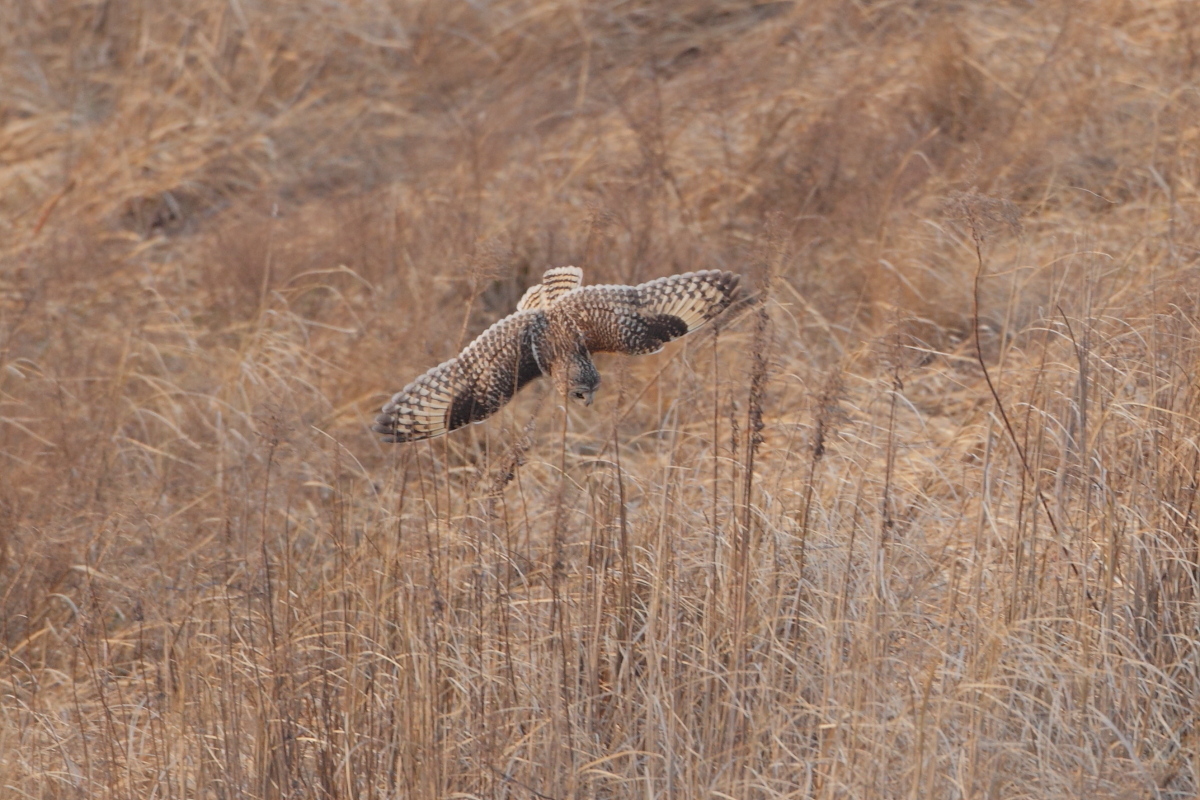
{"type": "Point", "coordinates": [577, 395]}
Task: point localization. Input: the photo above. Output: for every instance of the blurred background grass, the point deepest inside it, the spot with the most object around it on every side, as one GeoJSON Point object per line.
{"type": "Point", "coordinates": [229, 230]}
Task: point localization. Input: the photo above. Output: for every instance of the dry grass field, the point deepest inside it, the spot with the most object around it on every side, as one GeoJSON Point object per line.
{"type": "Point", "coordinates": [918, 521]}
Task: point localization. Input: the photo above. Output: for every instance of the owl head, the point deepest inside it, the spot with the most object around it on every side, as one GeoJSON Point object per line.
{"type": "Point", "coordinates": [577, 378]}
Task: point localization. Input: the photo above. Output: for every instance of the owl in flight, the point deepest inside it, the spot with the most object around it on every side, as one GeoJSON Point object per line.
{"type": "Point", "coordinates": [557, 326]}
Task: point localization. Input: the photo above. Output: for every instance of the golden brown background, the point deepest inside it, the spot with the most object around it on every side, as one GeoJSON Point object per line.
{"type": "Point", "coordinates": [229, 229]}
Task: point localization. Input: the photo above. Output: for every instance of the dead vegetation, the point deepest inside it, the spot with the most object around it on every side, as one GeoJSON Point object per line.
{"type": "Point", "coordinates": [856, 565]}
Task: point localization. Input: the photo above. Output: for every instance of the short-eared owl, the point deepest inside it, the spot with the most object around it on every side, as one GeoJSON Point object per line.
{"type": "Point", "coordinates": [557, 326]}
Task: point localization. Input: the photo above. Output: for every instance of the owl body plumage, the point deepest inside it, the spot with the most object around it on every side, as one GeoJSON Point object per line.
{"type": "Point", "coordinates": [557, 326]}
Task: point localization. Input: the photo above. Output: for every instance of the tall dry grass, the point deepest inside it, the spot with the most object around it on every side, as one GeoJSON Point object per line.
{"type": "Point", "coordinates": [924, 525]}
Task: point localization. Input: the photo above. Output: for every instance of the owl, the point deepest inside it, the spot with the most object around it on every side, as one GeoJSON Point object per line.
{"type": "Point", "coordinates": [557, 326]}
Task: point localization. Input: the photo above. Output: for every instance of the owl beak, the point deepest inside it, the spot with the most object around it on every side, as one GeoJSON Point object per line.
{"type": "Point", "coordinates": [588, 397]}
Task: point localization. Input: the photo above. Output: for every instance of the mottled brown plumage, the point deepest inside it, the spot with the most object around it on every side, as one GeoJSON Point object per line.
{"type": "Point", "coordinates": [557, 326]}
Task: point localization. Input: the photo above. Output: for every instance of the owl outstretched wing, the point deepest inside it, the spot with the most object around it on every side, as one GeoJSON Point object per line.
{"type": "Point", "coordinates": [469, 388]}
{"type": "Point", "coordinates": [641, 319]}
